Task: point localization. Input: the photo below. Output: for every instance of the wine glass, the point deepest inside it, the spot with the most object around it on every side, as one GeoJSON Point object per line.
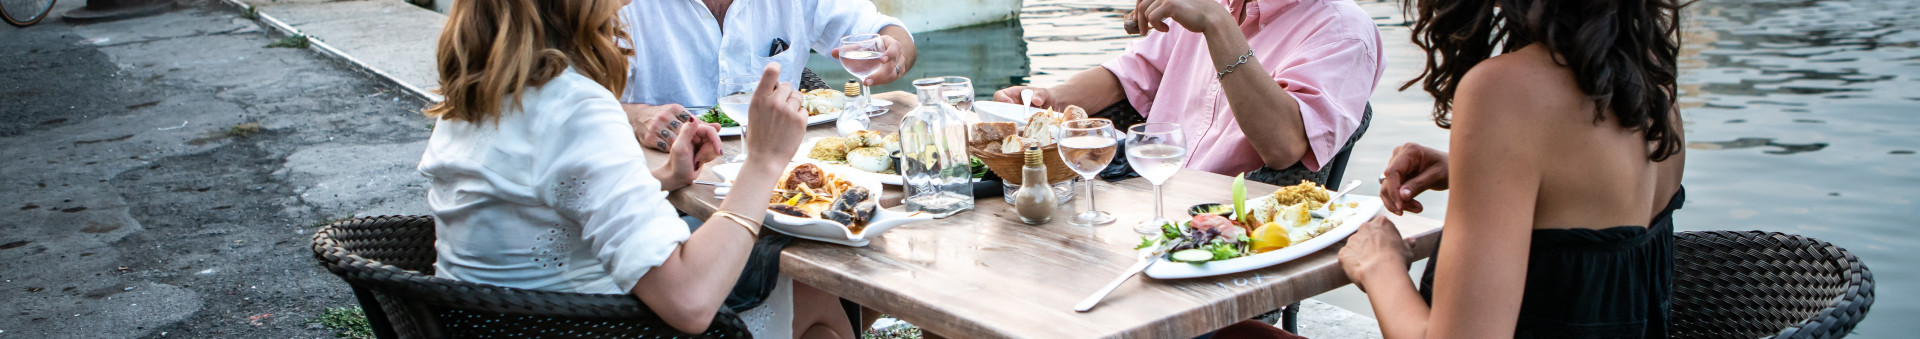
{"type": "Point", "coordinates": [737, 96]}
{"type": "Point", "coordinates": [1156, 150]}
{"type": "Point", "coordinates": [958, 91]}
{"type": "Point", "coordinates": [1087, 145]}
{"type": "Point", "coordinates": [860, 54]}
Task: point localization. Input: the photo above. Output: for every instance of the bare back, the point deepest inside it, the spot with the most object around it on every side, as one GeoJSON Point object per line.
{"type": "Point", "coordinates": [1593, 174]}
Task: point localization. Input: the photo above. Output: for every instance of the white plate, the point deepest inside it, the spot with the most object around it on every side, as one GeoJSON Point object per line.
{"type": "Point", "coordinates": [735, 131]}
{"type": "Point", "coordinates": [995, 111]}
{"type": "Point", "coordinates": [801, 156]}
{"type": "Point", "coordinates": [827, 231]}
{"type": "Point", "coordinates": [1369, 207]}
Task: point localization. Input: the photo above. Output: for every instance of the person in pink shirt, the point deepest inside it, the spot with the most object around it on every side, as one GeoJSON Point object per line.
{"type": "Point", "coordinates": [1259, 85]}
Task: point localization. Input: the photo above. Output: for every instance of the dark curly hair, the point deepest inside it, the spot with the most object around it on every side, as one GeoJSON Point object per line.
{"type": "Point", "coordinates": [1622, 53]}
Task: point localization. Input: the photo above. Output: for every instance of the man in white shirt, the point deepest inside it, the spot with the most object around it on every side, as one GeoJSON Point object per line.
{"type": "Point", "coordinates": [683, 47]}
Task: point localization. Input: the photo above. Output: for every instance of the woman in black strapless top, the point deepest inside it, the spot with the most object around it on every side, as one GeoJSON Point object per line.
{"type": "Point", "coordinates": [1564, 165]}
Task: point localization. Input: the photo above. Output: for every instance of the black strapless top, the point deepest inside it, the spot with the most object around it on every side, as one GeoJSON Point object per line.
{"type": "Point", "coordinates": [1585, 283]}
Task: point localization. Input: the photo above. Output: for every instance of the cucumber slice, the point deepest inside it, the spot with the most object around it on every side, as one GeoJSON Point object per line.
{"type": "Point", "coordinates": [1193, 256]}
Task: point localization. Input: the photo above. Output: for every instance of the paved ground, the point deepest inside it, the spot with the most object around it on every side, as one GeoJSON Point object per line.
{"type": "Point", "coordinates": [128, 209]}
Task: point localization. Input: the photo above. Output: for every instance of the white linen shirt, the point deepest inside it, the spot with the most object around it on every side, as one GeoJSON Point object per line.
{"type": "Point", "coordinates": [680, 53]}
{"type": "Point", "coordinates": [554, 196]}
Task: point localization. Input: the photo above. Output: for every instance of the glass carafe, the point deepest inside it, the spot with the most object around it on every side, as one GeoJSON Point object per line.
{"type": "Point", "coordinates": [933, 155]}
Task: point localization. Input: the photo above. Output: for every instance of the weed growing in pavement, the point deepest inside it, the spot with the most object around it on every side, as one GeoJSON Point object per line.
{"type": "Point", "coordinates": [296, 41]}
{"type": "Point", "coordinates": [346, 322]}
{"type": "Point", "coordinates": [252, 13]}
{"type": "Point", "coordinates": [243, 130]}
{"type": "Point", "coordinates": [328, 221]}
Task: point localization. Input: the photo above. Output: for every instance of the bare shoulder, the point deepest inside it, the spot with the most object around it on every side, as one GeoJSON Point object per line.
{"type": "Point", "coordinates": [1519, 87]}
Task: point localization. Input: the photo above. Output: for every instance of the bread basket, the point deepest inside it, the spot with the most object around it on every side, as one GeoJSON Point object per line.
{"type": "Point", "coordinates": [1008, 165]}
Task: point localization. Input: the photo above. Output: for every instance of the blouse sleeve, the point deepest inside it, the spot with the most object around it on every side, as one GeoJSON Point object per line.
{"type": "Point", "coordinates": [1331, 83]}
{"type": "Point", "coordinates": [588, 168]}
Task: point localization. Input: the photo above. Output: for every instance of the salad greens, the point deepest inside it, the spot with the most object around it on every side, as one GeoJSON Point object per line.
{"type": "Point", "coordinates": [979, 168]}
{"type": "Point", "coordinates": [716, 116]}
{"type": "Point", "coordinates": [1187, 244]}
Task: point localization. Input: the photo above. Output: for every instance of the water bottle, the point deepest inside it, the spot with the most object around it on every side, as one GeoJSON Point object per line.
{"type": "Point", "coordinates": [933, 154]}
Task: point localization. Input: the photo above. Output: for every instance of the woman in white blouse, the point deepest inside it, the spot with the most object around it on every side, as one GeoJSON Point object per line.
{"type": "Point", "coordinates": [538, 183]}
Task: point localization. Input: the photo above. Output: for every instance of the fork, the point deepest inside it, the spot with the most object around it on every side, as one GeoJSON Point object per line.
{"type": "Point", "coordinates": [1147, 258]}
{"type": "Point", "coordinates": [1326, 210]}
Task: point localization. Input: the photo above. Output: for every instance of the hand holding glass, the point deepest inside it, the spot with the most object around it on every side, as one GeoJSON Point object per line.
{"type": "Point", "coordinates": [860, 54]}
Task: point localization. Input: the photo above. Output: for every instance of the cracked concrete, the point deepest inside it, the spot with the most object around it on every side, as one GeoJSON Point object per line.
{"type": "Point", "coordinates": [127, 209]}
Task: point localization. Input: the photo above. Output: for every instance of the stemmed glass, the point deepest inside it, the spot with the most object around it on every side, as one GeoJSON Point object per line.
{"type": "Point", "coordinates": [1156, 150]}
{"type": "Point", "coordinates": [860, 54]}
{"type": "Point", "coordinates": [958, 92]}
{"type": "Point", "coordinates": [1087, 145]}
{"type": "Point", "coordinates": [738, 97]}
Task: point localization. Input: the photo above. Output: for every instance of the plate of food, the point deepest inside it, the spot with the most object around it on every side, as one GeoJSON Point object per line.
{"type": "Point", "coordinates": [1255, 233]}
{"type": "Point", "coordinates": [821, 105]}
{"type": "Point", "coordinates": [868, 153]}
{"type": "Point", "coordinates": [827, 205]}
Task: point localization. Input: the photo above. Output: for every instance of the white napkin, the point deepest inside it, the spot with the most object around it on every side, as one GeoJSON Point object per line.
{"type": "Point", "coordinates": [727, 172]}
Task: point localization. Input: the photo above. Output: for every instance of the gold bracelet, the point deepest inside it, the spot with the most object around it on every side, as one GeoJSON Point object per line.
{"type": "Point", "coordinates": [751, 226]}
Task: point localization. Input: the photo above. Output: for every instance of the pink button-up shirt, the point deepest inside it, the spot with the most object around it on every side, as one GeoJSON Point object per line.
{"type": "Point", "coordinates": [1326, 53]}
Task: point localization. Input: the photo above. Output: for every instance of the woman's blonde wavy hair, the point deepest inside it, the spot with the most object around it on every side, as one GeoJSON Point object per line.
{"type": "Point", "coordinates": [492, 50]}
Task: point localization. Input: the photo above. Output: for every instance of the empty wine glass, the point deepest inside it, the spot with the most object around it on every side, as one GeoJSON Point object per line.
{"type": "Point", "coordinates": [1087, 146]}
{"type": "Point", "coordinates": [1156, 150]}
{"type": "Point", "coordinates": [860, 54]}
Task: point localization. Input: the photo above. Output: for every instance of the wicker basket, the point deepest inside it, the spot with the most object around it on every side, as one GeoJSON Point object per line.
{"type": "Point", "coordinates": [1008, 165]}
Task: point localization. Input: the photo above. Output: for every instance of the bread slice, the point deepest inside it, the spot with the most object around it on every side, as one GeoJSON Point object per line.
{"type": "Point", "coordinates": [1014, 144]}
{"type": "Point", "coordinates": [1040, 128]}
{"type": "Point", "coordinates": [991, 131]}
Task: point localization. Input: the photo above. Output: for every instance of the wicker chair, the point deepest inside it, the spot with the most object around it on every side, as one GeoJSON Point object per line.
{"type": "Point", "coordinates": [1752, 284]}
{"type": "Point", "coordinates": [389, 262]}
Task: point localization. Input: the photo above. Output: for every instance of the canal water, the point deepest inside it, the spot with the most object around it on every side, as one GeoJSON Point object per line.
{"type": "Point", "coordinates": [1803, 116]}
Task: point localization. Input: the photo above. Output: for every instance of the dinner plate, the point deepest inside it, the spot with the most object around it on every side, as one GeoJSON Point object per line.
{"type": "Point", "coordinates": [735, 131]}
{"type": "Point", "coordinates": [827, 231]}
{"type": "Point", "coordinates": [995, 111]}
{"type": "Point", "coordinates": [805, 146]}
{"type": "Point", "coordinates": [1354, 217]}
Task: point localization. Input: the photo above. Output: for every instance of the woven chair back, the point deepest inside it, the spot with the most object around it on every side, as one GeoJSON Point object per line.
{"type": "Point", "coordinates": [1752, 284]}
{"type": "Point", "coordinates": [389, 262]}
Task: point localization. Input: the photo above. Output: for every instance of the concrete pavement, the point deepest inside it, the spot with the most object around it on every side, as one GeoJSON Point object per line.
{"type": "Point", "coordinates": [133, 207]}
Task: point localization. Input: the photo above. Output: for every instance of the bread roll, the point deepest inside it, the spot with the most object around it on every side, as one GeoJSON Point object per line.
{"type": "Point", "coordinates": [1014, 144]}
{"type": "Point", "coordinates": [1072, 113]}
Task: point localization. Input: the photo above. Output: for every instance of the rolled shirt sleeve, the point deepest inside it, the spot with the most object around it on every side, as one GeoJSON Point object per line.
{"type": "Point", "coordinates": [1331, 87]}
{"type": "Point", "coordinates": [592, 172]}
{"type": "Point", "coordinates": [833, 19]}
{"type": "Point", "coordinates": [1140, 69]}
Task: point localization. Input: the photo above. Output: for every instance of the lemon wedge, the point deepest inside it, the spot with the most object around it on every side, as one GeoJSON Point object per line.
{"type": "Point", "coordinates": [1270, 236]}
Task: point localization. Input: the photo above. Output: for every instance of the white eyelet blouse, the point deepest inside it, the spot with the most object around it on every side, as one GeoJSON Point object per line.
{"type": "Point", "coordinates": [557, 196]}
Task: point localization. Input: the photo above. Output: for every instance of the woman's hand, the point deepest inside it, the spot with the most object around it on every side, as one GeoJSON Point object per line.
{"type": "Point", "coordinates": [1375, 249]}
{"type": "Point", "coordinates": [1042, 96]}
{"type": "Point", "coordinates": [694, 146]}
{"type": "Point", "coordinates": [776, 123]}
{"type": "Point", "coordinates": [1198, 16]}
{"type": "Point", "coordinates": [656, 126]}
{"type": "Point", "coordinates": [1414, 169]}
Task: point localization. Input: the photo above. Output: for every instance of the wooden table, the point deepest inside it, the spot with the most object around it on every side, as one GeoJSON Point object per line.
{"type": "Point", "coordinates": [983, 274]}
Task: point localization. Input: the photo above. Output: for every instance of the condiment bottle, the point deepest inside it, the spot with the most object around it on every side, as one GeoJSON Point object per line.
{"type": "Point", "coordinates": [1034, 201]}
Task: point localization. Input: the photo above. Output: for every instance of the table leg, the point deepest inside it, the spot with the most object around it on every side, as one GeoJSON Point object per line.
{"type": "Point", "coordinates": [1290, 318]}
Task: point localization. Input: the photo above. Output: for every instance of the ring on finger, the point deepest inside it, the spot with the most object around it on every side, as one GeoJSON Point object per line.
{"type": "Point", "coordinates": [1383, 178]}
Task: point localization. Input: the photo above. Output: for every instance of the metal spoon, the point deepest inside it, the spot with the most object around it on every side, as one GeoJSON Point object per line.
{"type": "Point", "coordinates": [1326, 210]}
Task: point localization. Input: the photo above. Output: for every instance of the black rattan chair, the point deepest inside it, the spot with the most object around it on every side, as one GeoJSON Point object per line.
{"type": "Point", "coordinates": [389, 262]}
{"type": "Point", "coordinates": [1752, 284]}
